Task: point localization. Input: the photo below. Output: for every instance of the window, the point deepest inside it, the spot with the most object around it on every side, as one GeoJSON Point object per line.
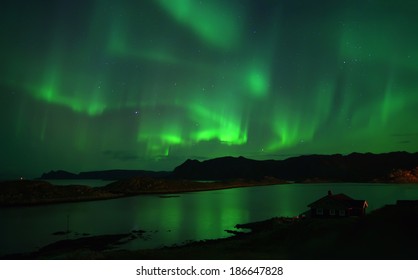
{"type": "Point", "coordinates": [342, 213]}
{"type": "Point", "coordinates": [319, 211]}
{"type": "Point", "coordinates": [332, 212]}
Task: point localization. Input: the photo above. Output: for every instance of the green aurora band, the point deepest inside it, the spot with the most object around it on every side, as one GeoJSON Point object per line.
{"type": "Point", "coordinates": [147, 84]}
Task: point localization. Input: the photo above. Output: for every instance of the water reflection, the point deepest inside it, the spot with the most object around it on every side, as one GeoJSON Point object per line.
{"type": "Point", "coordinates": [189, 216]}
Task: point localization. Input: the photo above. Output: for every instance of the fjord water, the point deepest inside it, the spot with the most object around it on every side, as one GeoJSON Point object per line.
{"type": "Point", "coordinates": [176, 219]}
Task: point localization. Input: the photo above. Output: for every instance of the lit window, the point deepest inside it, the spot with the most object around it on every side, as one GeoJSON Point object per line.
{"type": "Point", "coordinates": [332, 212]}
{"type": "Point", "coordinates": [319, 211]}
{"type": "Point", "coordinates": [342, 213]}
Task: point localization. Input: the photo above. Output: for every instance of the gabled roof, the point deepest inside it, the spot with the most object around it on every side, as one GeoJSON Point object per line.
{"type": "Point", "coordinates": [338, 201]}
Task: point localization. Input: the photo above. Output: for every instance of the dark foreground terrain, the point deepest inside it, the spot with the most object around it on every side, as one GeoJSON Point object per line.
{"type": "Point", "coordinates": [387, 233]}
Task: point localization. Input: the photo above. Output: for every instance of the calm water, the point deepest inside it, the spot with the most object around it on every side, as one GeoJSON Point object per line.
{"type": "Point", "coordinates": [190, 216]}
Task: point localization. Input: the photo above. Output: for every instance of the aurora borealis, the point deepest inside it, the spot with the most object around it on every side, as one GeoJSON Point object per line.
{"type": "Point", "coordinates": [90, 85]}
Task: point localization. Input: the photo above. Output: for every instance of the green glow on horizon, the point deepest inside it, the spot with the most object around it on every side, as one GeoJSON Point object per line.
{"type": "Point", "coordinates": [224, 126]}
{"type": "Point", "coordinates": [160, 138]}
{"type": "Point", "coordinates": [208, 125]}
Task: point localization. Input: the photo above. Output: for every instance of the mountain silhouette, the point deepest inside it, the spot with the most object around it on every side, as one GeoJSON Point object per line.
{"type": "Point", "coordinates": [354, 167]}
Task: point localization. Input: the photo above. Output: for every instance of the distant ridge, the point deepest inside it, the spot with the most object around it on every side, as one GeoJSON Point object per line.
{"type": "Point", "coordinates": [59, 174]}
{"type": "Point", "coordinates": [103, 175]}
{"type": "Point", "coordinates": [354, 167]}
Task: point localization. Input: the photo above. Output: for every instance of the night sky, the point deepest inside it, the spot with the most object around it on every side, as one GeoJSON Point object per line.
{"type": "Point", "coordinates": [90, 85]}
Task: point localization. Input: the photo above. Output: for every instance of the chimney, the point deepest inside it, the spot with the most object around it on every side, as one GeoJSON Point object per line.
{"type": "Point", "coordinates": [329, 193]}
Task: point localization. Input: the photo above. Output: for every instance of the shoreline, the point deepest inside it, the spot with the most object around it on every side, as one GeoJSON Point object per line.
{"type": "Point", "coordinates": [26, 193]}
{"type": "Point", "coordinates": [393, 226]}
{"type": "Point", "coordinates": [275, 238]}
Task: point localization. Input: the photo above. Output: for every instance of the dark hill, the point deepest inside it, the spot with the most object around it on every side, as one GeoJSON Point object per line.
{"type": "Point", "coordinates": [59, 174]}
{"type": "Point", "coordinates": [354, 167]}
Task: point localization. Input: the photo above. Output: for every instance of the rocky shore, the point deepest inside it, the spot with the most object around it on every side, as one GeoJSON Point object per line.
{"type": "Point", "coordinates": [28, 192]}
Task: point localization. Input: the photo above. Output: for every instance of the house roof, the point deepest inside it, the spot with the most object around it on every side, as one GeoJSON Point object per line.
{"type": "Point", "coordinates": [338, 201]}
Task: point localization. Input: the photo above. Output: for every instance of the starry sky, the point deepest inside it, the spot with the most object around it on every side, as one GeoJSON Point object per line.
{"type": "Point", "coordinates": [100, 84]}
